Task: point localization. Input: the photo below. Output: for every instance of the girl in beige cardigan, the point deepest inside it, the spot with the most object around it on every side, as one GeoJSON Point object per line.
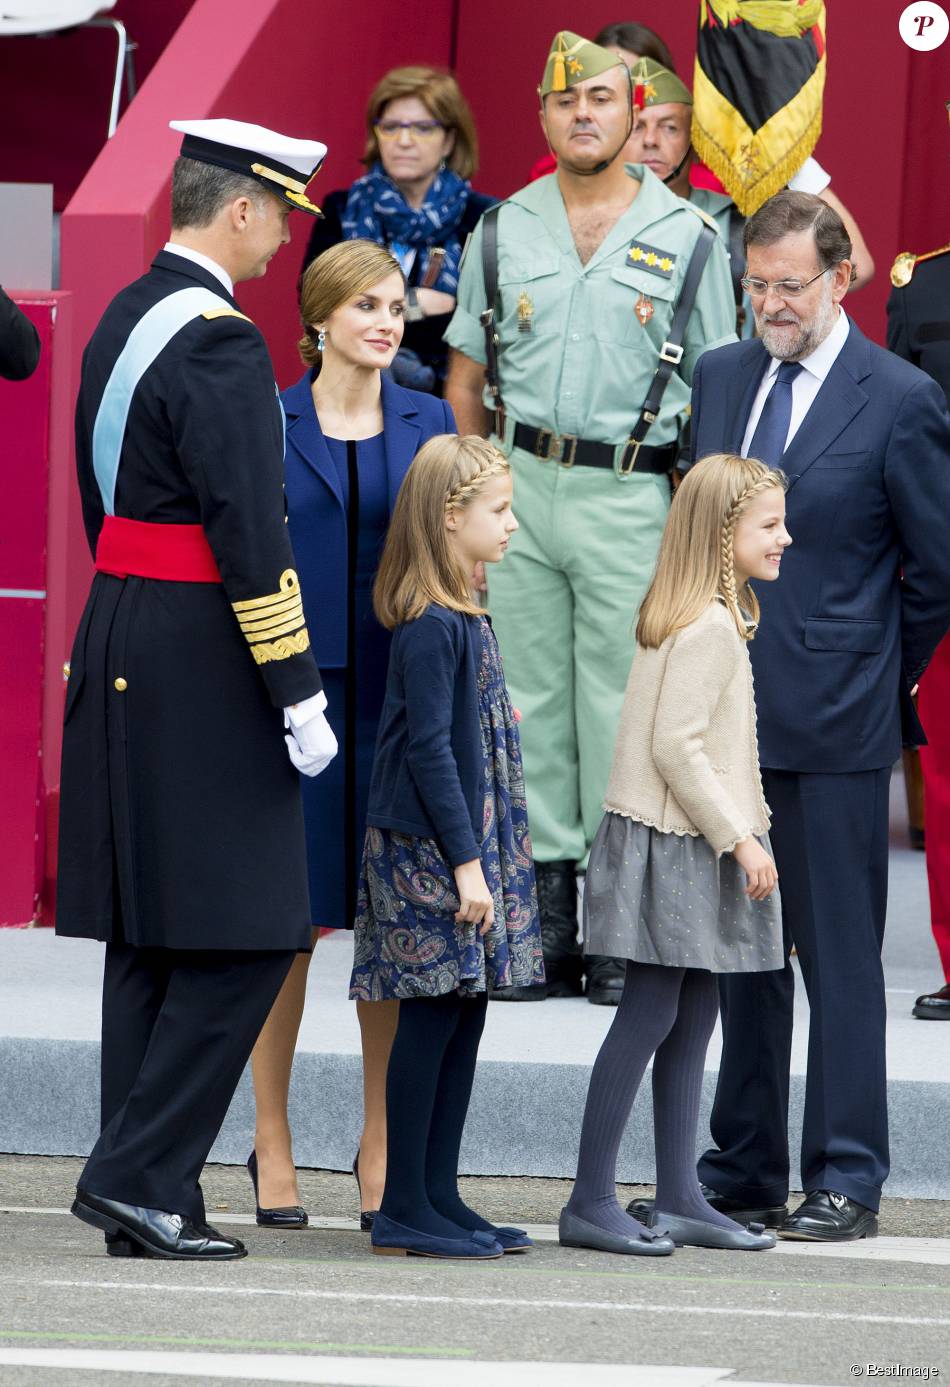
{"type": "Point", "coordinates": [681, 881]}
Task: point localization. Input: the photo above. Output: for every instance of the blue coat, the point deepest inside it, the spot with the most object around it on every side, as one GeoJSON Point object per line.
{"type": "Point", "coordinates": [843, 636]}
{"type": "Point", "coordinates": [316, 514]}
{"type": "Point", "coordinates": [428, 774]}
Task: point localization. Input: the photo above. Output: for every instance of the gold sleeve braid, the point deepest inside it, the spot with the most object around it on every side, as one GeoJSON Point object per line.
{"type": "Point", "coordinates": [274, 625]}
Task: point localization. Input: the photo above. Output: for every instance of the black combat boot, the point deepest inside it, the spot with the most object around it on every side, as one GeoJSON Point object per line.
{"type": "Point", "coordinates": [563, 963]}
{"type": "Point", "coordinates": [605, 978]}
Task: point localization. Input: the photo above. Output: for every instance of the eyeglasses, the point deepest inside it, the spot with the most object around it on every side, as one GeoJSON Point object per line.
{"type": "Point", "coordinates": [784, 288]}
{"type": "Point", "coordinates": [417, 129]}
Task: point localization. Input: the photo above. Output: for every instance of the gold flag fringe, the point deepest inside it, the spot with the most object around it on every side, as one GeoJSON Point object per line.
{"type": "Point", "coordinates": [717, 147]}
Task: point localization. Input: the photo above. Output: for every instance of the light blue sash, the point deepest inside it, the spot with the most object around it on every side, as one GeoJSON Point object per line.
{"type": "Point", "coordinates": [150, 336]}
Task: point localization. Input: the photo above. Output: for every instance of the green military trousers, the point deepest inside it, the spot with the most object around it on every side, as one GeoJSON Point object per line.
{"type": "Point", "coordinates": [564, 605]}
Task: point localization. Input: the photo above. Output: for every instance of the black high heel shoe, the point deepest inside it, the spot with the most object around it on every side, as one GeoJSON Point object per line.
{"type": "Point", "coordinates": [367, 1216]}
{"type": "Point", "coordinates": [293, 1217]}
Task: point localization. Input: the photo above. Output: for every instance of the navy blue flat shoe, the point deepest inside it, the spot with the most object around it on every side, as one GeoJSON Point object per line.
{"type": "Point", "coordinates": [391, 1239]}
{"type": "Point", "coordinates": [511, 1239]}
{"type": "Point", "coordinates": [292, 1217]}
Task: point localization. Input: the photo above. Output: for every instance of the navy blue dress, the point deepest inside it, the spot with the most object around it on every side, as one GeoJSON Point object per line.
{"type": "Point", "coordinates": [335, 801]}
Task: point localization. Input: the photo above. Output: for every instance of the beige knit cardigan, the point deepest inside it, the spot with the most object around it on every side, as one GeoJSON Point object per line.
{"type": "Point", "coordinates": [686, 759]}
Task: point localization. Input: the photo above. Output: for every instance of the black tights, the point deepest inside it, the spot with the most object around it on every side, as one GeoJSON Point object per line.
{"type": "Point", "coordinates": [428, 1089]}
{"type": "Point", "coordinates": [669, 1013]}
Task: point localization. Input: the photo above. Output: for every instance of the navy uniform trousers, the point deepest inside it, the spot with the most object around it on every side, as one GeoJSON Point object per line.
{"type": "Point", "coordinates": [178, 1027]}
{"type": "Point", "coordinates": [830, 838]}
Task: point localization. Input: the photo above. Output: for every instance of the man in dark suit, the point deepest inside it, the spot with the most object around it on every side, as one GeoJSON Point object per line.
{"type": "Point", "coordinates": [845, 635]}
{"type": "Point", "coordinates": [181, 830]}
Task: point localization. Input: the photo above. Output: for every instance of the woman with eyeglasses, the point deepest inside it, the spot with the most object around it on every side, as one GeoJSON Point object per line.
{"type": "Point", "coordinates": [416, 200]}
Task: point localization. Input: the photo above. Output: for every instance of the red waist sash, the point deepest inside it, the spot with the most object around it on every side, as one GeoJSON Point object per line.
{"type": "Point", "coordinates": [136, 548]}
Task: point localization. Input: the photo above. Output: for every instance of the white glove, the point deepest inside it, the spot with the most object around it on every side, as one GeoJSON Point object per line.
{"type": "Point", "coordinates": [311, 744]}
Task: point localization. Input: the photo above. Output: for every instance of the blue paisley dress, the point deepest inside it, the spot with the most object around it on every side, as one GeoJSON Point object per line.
{"type": "Point", "coordinates": [406, 941]}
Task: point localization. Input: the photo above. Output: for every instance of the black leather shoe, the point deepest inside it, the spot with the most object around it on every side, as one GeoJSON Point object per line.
{"type": "Point", "coordinates": [557, 909]}
{"type": "Point", "coordinates": [934, 1006]}
{"type": "Point", "coordinates": [605, 979]}
{"type": "Point", "coordinates": [826, 1217]}
{"type": "Point", "coordinates": [769, 1215]}
{"type": "Point", "coordinates": [118, 1245]}
{"type": "Point", "coordinates": [159, 1233]}
{"type": "Point", "coordinates": [292, 1217]}
{"type": "Point", "coordinates": [518, 994]}
{"type": "Point", "coordinates": [367, 1216]}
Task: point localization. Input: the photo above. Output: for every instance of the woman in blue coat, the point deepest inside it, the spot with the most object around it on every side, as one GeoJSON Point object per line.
{"type": "Point", "coordinates": [351, 435]}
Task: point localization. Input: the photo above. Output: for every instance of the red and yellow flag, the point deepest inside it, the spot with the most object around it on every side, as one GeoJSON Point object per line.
{"type": "Point", "coordinates": [757, 92]}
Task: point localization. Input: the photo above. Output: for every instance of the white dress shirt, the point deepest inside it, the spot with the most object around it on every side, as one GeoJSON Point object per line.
{"type": "Point", "coordinates": [806, 384]}
{"type": "Point", "coordinates": [204, 261]}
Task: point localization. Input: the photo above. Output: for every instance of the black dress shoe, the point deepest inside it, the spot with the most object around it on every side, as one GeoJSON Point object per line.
{"type": "Point", "coordinates": [769, 1215]}
{"type": "Point", "coordinates": [605, 979]}
{"type": "Point", "coordinates": [291, 1217]}
{"type": "Point", "coordinates": [367, 1216]}
{"type": "Point", "coordinates": [159, 1233]}
{"type": "Point", "coordinates": [934, 1006]}
{"type": "Point", "coordinates": [118, 1245]}
{"type": "Point", "coordinates": [518, 994]}
{"type": "Point", "coordinates": [827, 1217]}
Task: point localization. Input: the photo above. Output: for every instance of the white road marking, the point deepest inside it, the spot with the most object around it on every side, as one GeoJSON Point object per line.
{"type": "Point", "coordinates": [463, 1302]}
{"type": "Point", "coordinates": [364, 1372]}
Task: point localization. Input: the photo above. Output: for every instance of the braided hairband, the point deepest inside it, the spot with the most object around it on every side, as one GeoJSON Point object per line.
{"type": "Point", "coordinates": [727, 575]}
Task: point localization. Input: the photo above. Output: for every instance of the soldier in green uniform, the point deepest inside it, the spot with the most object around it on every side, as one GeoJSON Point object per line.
{"type": "Point", "coordinates": [591, 262]}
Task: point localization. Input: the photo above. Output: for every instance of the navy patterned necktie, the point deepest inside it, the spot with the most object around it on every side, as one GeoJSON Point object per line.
{"type": "Point", "coordinates": [768, 441]}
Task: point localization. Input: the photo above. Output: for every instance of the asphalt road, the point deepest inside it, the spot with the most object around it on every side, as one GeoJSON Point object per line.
{"type": "Point", "coordinates": [316, 1306]}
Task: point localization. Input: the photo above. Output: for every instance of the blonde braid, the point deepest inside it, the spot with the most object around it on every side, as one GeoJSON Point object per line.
{"type": "Point", "coordinates": [466, 489]}
{"type": "Point", "coordinates": [727, 563]}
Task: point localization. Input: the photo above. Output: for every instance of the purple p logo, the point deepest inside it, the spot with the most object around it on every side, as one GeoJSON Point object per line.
{"type": "Point", "coordinates": [924, 26]}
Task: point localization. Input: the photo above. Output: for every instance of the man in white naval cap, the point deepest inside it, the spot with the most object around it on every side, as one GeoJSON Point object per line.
{"type": "Point", "coordinates": [181, 831]}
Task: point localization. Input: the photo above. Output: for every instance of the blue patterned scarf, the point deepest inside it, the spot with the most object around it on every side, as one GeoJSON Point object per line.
{"type": "Point", "coordinates": [377, 210]}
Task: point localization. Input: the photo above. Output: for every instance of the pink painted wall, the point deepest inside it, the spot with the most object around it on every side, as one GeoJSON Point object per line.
{"type": "Point", "coordinates": [61, 87]}
{"type": "Point", "coordinates": [35, 481]}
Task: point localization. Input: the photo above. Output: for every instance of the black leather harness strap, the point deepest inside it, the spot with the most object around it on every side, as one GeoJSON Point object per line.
{"type": "Point", "coordinates": [487, 319]}
{"type": "Point", "coordinates": [671, 352]}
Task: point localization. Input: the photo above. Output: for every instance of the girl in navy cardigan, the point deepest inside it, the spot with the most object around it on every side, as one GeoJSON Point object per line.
{"type": "Point", "coordinates": [446, 904]}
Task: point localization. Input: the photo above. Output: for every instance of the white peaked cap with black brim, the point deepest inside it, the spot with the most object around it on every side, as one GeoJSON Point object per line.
{"type": "Point", "coordinates": [283, 165]}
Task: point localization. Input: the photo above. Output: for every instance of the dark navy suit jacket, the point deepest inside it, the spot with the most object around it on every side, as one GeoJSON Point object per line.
{"type": "Point", "coordinates": [864, 594]}
{"type": "Point", "coordinates": [316, 514]}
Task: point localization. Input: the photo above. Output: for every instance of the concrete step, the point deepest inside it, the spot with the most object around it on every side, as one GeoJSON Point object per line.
{"type": "Point", "coordinates": [532, 1078]}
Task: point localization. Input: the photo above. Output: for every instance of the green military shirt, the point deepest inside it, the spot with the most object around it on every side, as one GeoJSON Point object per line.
{"type": "Point", "coordinates": [585, 360]}
{"type": "Point", "coordinates": [715, 205]}
{"type": "Point", "coordinates": [720, 207]}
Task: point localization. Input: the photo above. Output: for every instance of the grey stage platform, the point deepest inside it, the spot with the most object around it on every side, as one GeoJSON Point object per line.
{"type": "Point", "coordinates": [532, 1079]}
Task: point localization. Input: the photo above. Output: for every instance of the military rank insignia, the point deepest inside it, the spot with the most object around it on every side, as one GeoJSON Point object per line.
{"type": "Point", "coordinates": [658, 262]}
{"type": "Point", "coordinates": [644, 309]}
{"type": "Point", "coordinates": [525, 311]}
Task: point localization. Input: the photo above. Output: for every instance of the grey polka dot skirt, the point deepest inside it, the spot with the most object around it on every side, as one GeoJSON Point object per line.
{"type": "Point", "coordinates": [666, 898]}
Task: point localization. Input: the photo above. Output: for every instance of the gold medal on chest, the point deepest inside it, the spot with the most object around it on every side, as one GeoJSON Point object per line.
{"type": "Point", "coordinates": [525, 311]}
{"type": "Point", "coordinates": [644, 309]}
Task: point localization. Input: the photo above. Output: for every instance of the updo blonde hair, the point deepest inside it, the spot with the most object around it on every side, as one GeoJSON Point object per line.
{"type": "Point", "coordinates": [696, 563]}
{"type": "Point", "coordinates": [341, 273]}
{"type": "Point", "coordinates": [418, 566]}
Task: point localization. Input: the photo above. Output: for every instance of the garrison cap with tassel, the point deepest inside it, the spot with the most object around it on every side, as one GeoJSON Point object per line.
{"type": "Point", "coordinates": [654, 85]}
{"type": "Point", "coordinates": [283, 165]}
{"type": "Point", "coordinates": [573, 60]}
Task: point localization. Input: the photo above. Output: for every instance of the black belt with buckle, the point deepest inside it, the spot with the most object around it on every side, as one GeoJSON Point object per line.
{"type": "Point", "coordinates": [571, 451]}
